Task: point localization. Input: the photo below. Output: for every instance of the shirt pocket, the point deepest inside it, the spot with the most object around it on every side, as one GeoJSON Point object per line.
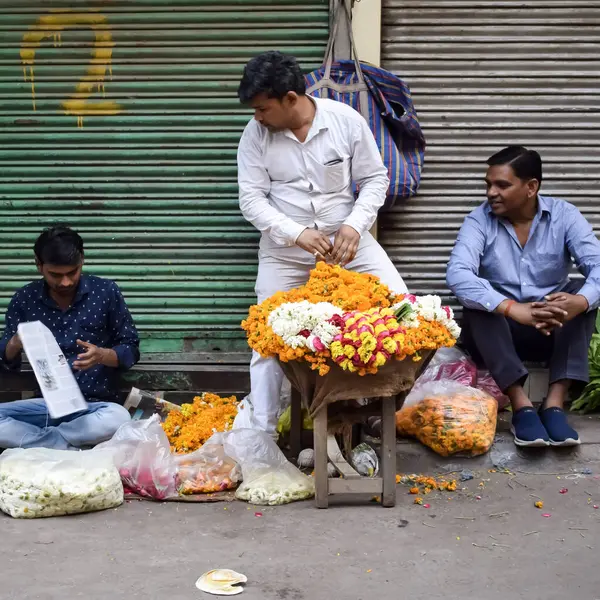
{"type": "Point", "coordinates": [334, 177]}
{"type": "Point", "coordinates": [93, 331]}
{"type": "Point", "coordinates": [548, 268]}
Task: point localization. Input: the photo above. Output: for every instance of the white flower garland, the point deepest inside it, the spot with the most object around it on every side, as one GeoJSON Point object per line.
{"type": "Point", "coordinates": [291, 318]}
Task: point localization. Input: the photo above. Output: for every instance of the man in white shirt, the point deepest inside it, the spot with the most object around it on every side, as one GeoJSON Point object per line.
{"type": "Point", "coordinates": [297, 160]}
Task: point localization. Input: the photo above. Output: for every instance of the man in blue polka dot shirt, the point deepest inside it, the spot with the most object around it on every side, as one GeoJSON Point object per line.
{"type": "Point", "coordinates": [94, 329]}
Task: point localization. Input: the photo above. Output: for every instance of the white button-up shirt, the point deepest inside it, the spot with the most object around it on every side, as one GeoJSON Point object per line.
{"type": "Point", "coordinates": [287, 186]}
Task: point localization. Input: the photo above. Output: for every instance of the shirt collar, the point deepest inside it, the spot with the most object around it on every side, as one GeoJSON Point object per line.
{"type": "Point", "coordinates": [543, 207]}
{"type": "Point", "coordinates": [83, 289]}
{"type": "Point", "coordinates": [319, 122]}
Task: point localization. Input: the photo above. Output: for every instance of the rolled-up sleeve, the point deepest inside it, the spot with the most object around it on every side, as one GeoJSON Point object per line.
{"type": "Point", "coordinates": [462, 274]}
{"type": "Point", "coordinates": [369, 172]}
{"type": "Point", "coordinates": [125, 339]}
{"type": "Point", "coordinates": [11, 323]}
{"type": "Point", "coordinates": [584, 247]}
{"type": "Point", "coordinates": [254, 186]}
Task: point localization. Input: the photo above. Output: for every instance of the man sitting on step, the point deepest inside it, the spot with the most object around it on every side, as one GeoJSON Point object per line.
{"type": "Point", "coordinates": [510, 270]}
{"type": "Point", "coordinates": [94, 329]}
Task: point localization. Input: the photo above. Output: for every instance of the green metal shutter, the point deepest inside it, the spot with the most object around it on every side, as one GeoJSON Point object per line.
{"type": "Point", "coordinates": [133, 141]}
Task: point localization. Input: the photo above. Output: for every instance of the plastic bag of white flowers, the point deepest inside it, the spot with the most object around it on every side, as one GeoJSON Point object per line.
{"type": "Point", "coordinates": [268, 477]}
{"type": "Point", "coordinates": [38, 482]}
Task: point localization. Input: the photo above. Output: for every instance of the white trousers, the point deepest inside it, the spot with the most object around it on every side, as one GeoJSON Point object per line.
{"type": "Point", "coordinates": [284, 272]}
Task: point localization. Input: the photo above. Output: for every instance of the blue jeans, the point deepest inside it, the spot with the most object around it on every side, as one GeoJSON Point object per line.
{"type": "Point", "coordinates": [27, 424]}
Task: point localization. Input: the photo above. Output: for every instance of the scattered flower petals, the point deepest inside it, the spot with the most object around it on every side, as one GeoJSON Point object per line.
{"type": "Point", "coordinates": [426, 505]}
{"type": "Point", "coordinates": [258, 514]}
{"type": "Point", "coordinates": [539, 504]}
{"type": "Point", "coordinates": [563, 491]}
{"type": "Point", "coordinates": [546, 515]}
{"type": "Point", "coordinates": [418, 500]}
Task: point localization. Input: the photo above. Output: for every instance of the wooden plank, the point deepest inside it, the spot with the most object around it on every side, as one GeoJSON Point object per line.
{"type": "Point", "coordinates": [363, 485]}
{"type": "Point", "coordinates": [337, 458]}
{"type": "Point", "coordinates": [321, 478]}
{"type": "Point", "coordinates": [388, 451]}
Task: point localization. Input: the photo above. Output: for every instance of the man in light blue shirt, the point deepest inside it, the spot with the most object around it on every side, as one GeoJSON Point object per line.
{"type": "Point", "coordinates": [510, 271]}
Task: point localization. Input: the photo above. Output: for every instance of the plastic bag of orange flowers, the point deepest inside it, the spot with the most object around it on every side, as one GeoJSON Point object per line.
{"type": "Point", "coordinates": [450, 418]}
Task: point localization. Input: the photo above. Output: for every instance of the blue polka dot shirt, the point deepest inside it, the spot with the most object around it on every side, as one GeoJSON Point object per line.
{"type": "Point", "coordinates": [98, 315]}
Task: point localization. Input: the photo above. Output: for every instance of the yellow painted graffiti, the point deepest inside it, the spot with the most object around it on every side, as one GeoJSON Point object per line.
{"type": "Point", "coordinates": [51, 26]}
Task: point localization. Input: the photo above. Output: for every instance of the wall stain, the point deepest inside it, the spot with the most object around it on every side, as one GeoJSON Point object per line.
{"type": "Point", "coordinates": [51, 26]}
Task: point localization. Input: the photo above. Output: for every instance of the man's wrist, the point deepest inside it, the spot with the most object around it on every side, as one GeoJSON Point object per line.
{"type": "Point", "coordinates": [583, 303]}
{"type": "Point", "coordinates": [104, 356]}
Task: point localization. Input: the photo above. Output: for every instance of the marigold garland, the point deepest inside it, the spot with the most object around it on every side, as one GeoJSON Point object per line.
{"type": "Point", "coordinates": [189, 428]}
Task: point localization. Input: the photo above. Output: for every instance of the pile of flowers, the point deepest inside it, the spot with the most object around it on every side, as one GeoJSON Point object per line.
{"type": "Point", "coordinates": [190, 427]}
{"type": "Point", "coordinates": [350, 319]}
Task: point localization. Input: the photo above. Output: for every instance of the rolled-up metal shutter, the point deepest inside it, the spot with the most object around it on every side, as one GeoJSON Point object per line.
{"type": "Point", "coordinates": [485, 75]}
{"type": "Point", "coordinates": [121, 119]}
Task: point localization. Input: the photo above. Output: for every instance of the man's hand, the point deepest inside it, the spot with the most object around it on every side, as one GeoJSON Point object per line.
{"type": "Point", "coordinates": [92, 357]}
{"type": "Point", "coordinates": [345, 245]}
{"type": "Point", "coordinates": [540, 315]}
{"type": "Point", "coordinates": [573, 305]}
{"type": "Point", "coordinates": [13, 348]}
{"type": "Point", "coordinates": [315, 242]}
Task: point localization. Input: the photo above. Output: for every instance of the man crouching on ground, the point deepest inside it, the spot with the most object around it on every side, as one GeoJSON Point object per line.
{"type": "Point", "coordinates": [510, 270]}
{"type": "Point", "coordinates": [94, 329]}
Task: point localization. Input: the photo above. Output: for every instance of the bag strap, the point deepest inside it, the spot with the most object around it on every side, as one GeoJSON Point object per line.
{"type": "Point", "coordinates": [341, 13]}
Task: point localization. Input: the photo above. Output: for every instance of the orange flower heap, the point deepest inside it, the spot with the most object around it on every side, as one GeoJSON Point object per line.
{"type": "Point", "coordinates": [374, 326]}
{"type": "Point", "coordinates": [189, 428]}
{"type": "Point", "coordinates": [327, 283]}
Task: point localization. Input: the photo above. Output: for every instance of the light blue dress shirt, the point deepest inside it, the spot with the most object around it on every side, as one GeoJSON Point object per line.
{"type": "Point", "coordinates": [488, 264]}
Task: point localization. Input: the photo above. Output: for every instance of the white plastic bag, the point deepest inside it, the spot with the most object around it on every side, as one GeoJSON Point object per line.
{"type": "Point", "coordinates": [38, 482]}
{"type": "Point", "coordinates": [245, 418]}
{"type": "Point", "coordinates": [268, 477]}
{"type": "Point", "coordinates": [143, 457]}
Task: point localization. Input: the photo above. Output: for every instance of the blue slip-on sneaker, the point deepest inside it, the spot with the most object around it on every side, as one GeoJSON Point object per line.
{"type": "Point", "coordinates": [560, 432]}
{"type": "Point", "coordinates": [528, 429]}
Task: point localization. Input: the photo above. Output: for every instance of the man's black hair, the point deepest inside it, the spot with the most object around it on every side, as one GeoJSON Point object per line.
{"type": "Point", "coordinates": [273, 74]}
{"type": "Point", "coordinates": [527, 164]}
{"type": "Point", "coordinates": [60, 246]}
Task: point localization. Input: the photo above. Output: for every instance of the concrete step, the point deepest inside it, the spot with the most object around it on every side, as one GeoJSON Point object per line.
{"type": "Point", "coordinates": [413, 457]}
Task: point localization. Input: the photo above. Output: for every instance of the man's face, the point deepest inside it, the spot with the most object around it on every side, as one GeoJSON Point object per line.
{"type": "Point", "coordinates": [63, 280]}
{"type": "Point", "coordinates": [274, 114]}
{"type": "Point", "coordinates": [507, 194]}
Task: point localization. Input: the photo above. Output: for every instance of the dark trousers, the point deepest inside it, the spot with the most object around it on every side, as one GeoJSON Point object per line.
{"type": "Point", "coordinates": [501, 345]}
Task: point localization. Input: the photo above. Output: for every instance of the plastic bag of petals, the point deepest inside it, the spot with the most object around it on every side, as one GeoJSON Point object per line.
{"type": "Point", "coordinates": [449, 418]}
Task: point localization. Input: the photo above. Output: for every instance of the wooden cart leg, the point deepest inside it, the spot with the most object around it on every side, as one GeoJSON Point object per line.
{"type": "Point", "coordinates": [321, 477]}
{"type": "Point", "coordinates": [296, 428]}
{"type": "Point", "coordinates": [388, 451]}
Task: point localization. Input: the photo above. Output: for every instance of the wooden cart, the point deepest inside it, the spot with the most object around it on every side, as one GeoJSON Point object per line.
{"type": "Point", "coordinates": [331, 401]}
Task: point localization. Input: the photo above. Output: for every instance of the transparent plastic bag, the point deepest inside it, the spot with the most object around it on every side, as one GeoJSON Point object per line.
{"type": "Point", "coordinates": [449, 364]}
{"type": "Point", "coordinates": [207, 470]}
{"type": "Point", "coordinates": [39, 482]}
{"type": "Point", "coordinates": [142, 455]}
{"type": "Point", "coordinates": [487, 384]}
{"type": "Point", "coordinates": [245, 418]}
{"type": "Point", "coordinates": [364, 459]}
{"type": "Point", "coordinates": [449, 418]}
{"type": "Point", "coordinates": [268, 477]}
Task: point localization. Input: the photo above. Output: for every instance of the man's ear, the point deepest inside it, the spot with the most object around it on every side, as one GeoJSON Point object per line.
{"type": "Point", "coordinates": [291, 99]}
{"type": "Point", "coordinates": [38, 264]}
{"type": "Point", "coordinates": [533, 187]}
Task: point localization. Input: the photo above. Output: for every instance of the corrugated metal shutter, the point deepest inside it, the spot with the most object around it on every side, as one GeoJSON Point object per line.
{"type": "Point", "coordinates": [484, 75]}
{"type": "Point", "coordinates": [143, 164]}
